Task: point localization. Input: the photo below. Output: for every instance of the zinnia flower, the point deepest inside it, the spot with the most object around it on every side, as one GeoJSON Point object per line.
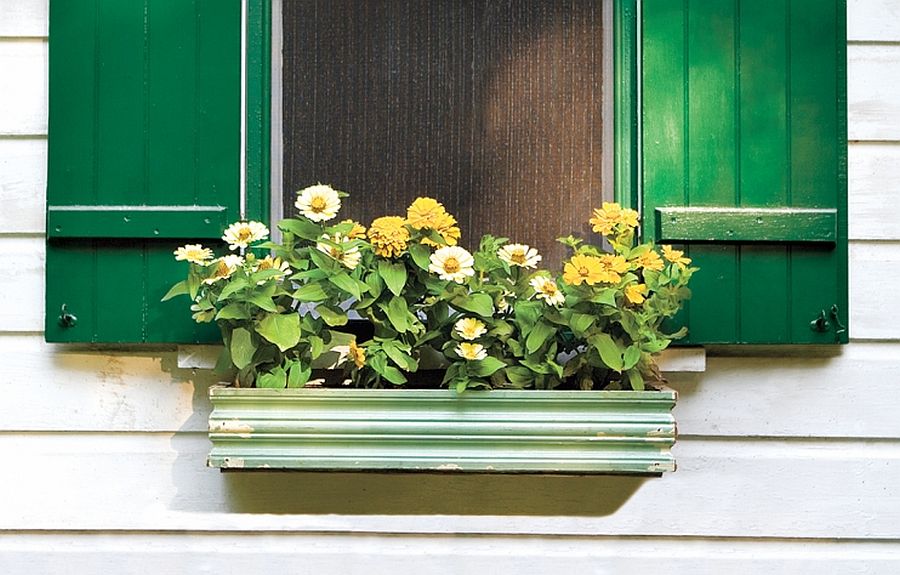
{"type": "Point", "coordinates": [428, 213]}
{"type": "Point", "coordinates": [194, 253]}
{"type": "Point", "coordinates": [452, 263]}
{"type": "Point", "coordinates": [224, 267]}
{"type": "Point", "coordinates": [547, 290]}
{"type": "Point", "coordinates": [470, 328]}
{"type": "Point", "coordinates": [349, 257]}
{"type": "Point", "coordinates": [471, 351]}
{"type": "Point", "coordinates": [242, 234]}
{"type": "Point", "coordinates": [389, 236]}
{"type": "Point", "coordinates": [650, 261]}
{"type": "Point", "coordinates": [357, 231]}
{"type": "Point", "coordinates": [519, 255]}
{"type": "Point", "coordinates": [610, 216]}
{"type": "Point", "coordinates": [636, 293]}
{"type": "Point", "coordinates": [675, 256]}
{"type": "Point", "coordinates": [318, 203]}
{"type": "Point", "coordinates": [357, 354]}
{"type": "Point", "coordinates": [612, 266]}
{"type": "Point", "coordinates": [583, 269]}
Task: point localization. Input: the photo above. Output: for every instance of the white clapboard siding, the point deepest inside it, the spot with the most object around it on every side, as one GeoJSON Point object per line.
{"type": "Point", "coordinates": [23, 18]}
{"type": "Point", "coordinates": [874, 182]}
{"type": "Point", "coordinates": [22, 284]}
{"type": "Point", "coordinates": [325, 554]}
{"type": "Point", "coordinates": [23, 87]}
{"type": "Point", "coordinates": [835, 392]}
{"type": "Point", "coordinates": [873, 20]}
{"type": "Point", "coordinates": [23, 183]}
{"type": "Point", "coordinates": [873, 92]}
{"type": "Point", "coordinates": [840, 490]}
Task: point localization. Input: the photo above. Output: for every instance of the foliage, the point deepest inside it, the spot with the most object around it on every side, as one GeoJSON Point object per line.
{"type": "Point", "coordinates": [492, 318]}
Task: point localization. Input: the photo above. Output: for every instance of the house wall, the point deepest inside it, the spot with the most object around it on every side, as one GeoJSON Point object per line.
{"type": "Point", "coordinates": [789, 458]}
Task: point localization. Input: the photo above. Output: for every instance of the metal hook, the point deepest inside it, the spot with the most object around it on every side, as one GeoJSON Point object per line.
{"type": "Point", "coordinates": [66, 319]}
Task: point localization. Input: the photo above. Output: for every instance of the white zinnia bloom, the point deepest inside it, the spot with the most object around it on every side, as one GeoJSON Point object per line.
{"type": "Point", "coordinates": [225, 266]}
{"type": "Point", "coordinates": [349, 257]}
{"type": "Point", "coordinates": [452, 263]}
{"type": "Point", "coordinates": [547, 290]}
{"type": "Point", "coordinates": [471, 351]}
{"type": "Point", "coordinates": [242, 234]}
{"type": "Point", "coordinates": [194, 253]}
{"type": "Point", "coordinates": [470, 328]}
{"type": "Point", "coordinates": [319, 202]}
{"type": "Point", "coordinates": [519, 255]}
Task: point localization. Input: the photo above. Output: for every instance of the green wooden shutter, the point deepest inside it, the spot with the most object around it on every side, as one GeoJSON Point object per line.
{"type": "Point", "coordinates": [144, 142]}
{"type": "Point", "coordinates": [744, 160]}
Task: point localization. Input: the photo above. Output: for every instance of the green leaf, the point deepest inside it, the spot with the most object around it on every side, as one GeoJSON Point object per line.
{"type": "Point", "coordinates": [276, 379]}
{"type": "Point", "coordinates": [538, 335]}
{"type": "Point", "coordinates": [223, 363]}
{"type": "Point", "coordinates": [393, 274]}
{"type": "Point", "coordinates": [263, 301]}
{"type": "Point", "coordinates": [631, 356]}
{"type": "Point", "coordinates": [485, 367]}
{"type": "Point", "coordinates": [461, 385]}
{"type": "Point", "coordinates": [233, 311]}
{"type": "Point", "coordinates": [501, 329]}
{"type": "Point", "coordinates": [193, 285]}
{"type": "Point", "coordinates": [242, 348]}
{"type": "Point", "coordinates": [316, 346]}
{"type": "Point", "coordinates": [635, 379]}
{"type": "Point", "coordinates": [346, 284]}
{"type": "Point", "coordinates": [605, 296]}
{"type": "Point", "coordinates": [527, 314]}
{"type": "Point", "coordinates": [298, 374]}
{"type": "Point", "coordinates": [181, 288]}
{"type": "Point", "coordinates": [397, 312]}
{"type": "Point", "coordinates": [393, 375]}
{"type": "Point", "coordinates": [609, 350]}
{"type": "Point", "coordinates": [478, 303]}
{"type": "Point", "coordinates": [281, 329]}
{"type": "Point", "coordinates": [421, 255]}
{"type": "Point", "coordinates": [333, 316]}
{"type": "Point", "coordinates": [232, 287]}
{"type": "Point", "coordinates": [519, 375]}
{"type": "Point", "coordinates": [311, 293]}
{"type": "Point", "coordinates": [301, 228]}
{"type": "Point", "coordinates": [580, 322]}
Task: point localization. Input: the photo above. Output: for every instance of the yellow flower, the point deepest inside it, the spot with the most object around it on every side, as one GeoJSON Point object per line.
{"type": "Point", "coordinates": [649, 261]}
{"type": "Point", "coordinates": [629, 218]}
{"type": "Point", "coordinates": [675, 256]}
{"type": "Point", "coordinates": [610, 216]}
{"type": "Point", "coordinates": [471, 351]}
{"type": "Point", "coordinates": [318, 203]}
{"type": "Point", "coordinates": [357, 354]}
{"type": "Point", "coordinates": [636, 293]}
{"type": "Point", "coordinates": [519, 255]}
{"type": "Point", "coordinates": [358, 231]}
{"type": "Point", "coordinates": [349, 257]}
{"type": "Point", "coordinates": [428, 213]}
{"type": "Point", "coordinates": [389, 236]}
{"type": "Point", "coordinates": [452, 263]}
{"type": "Point", "coordinates": [470, 328]}
{"type": "Point", "coordinates": [547, 290]}
{"type": "Point", "coordinates": [224, 267]}
{"type": "Point", "coordinates": [242, 234]}
{"type": "Point", "coordinates": [613, 266]}
{"type": "Point", "coordinates": [194, 253]}
{"type": "Point", "coordinates": [583, 269]}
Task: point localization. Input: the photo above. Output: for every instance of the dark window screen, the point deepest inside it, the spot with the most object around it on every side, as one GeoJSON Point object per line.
{"type": "Point", "coordinates": [491, 107]}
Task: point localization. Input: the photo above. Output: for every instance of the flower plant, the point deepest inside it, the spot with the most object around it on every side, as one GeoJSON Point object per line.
{"type": "Point", "coordinates": [491, 319]}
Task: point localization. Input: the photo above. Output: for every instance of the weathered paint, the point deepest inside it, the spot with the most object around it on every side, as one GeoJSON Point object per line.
{"type": "Point", "coordinates": [781, 225]}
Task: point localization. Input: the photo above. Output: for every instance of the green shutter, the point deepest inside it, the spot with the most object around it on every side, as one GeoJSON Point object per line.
{"type": "Point", "coordinates": [744, 160]}
{"type": "Point", "coordinates": [143, 156]}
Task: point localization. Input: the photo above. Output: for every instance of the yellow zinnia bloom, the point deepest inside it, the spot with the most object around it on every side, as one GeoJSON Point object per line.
{"type": "Point", "coordinates": [547, 290]}
{"type": "Point", "coordinates": [519, 255]}
{"type": "Point", "coordinates": [349, 257]}
{"type": "Point", "coordinates": [613, 266]}
{"type": "Point", "coordinates": [649, 261]}
{"type": "Point", "coordinates": [194, 253]}
{"type": "Point", "coordinates": [470, 328]}
{"type": "Point", "coordinates": [583, 269]}
{"type": "Point", "coordinates": [428, 213]}
{"type": "Point", "coordinates": [357, 231]}
{"type": "Point", "coordinates": [224, 267]}
{"type": "Point", "coordinates": [319, 202]}
{"type": "Point", "coordinates": [675, 256]}
{"type": "Point", "coordinates": [452, 263]}
{"type": "Point", "coordinates": [636, 293]}
{"type": "Point", "coordinates": [357, 354]}
{"type": "Point", "coordinates": [242, 234]}
{"type": "Point", "coordinates": [606, 218]}
{"type": "Point", "coordinates": [628, 218]}
{"type": "Point", "coordinates": [389, 236]}
{"type": "Point", "coordinates": [471, 351]}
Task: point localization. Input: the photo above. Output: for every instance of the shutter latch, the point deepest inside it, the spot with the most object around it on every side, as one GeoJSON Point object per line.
{"type": "Point", "coordinates": [65, 318]}
{"type": "Point", "coordinates": [831, 320]}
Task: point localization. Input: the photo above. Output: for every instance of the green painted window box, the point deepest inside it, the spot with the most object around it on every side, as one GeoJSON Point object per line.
{"type": "Point", "coordinates": [574, 432]}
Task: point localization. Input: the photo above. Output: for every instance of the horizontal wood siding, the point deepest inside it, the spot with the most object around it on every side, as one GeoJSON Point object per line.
{"type": "Point", "coordinates": [789, 458]}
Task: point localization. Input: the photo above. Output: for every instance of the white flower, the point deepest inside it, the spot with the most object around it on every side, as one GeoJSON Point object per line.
{"type": "Point", "coordinates": [349, 257]}
{"type": "Point", "coordinates": [519, 255]}
{"type": "Point", "coordinates": [547, 290]}
{"type": "Point", "coordinates": [470, 328]}
{"type": "Point", "coordinates": [452, 263]}
{"type": "Point", "coordinates": [224, 267]}
{"type": "Point", "coordinates": [318, 203]}
{"type": "Point", "coordinates": [194, 253]}
{"type": "Point", "coordinates": [471, 351]}
{"type": "Point", "coordinates": [503, 302]}
{"type": "Point", "coordinates": [242, 234]}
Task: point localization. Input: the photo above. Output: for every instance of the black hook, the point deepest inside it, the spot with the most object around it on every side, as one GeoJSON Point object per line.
{"type": "Point", "coordinates": [66, 319]}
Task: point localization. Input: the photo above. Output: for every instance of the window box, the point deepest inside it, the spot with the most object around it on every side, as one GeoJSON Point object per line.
{"type": "Point", "coordinates": [578, 432]}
